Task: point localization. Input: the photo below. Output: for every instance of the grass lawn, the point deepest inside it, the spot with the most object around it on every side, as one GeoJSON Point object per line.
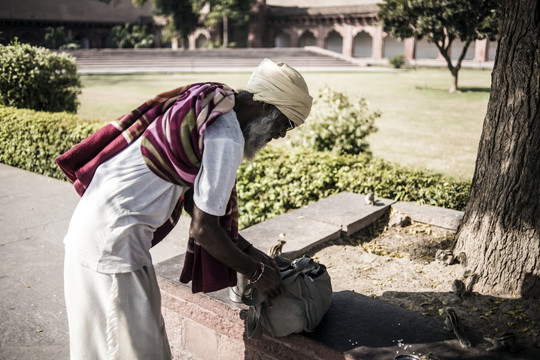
{"type": "Point", "coordinates": [422, 125]}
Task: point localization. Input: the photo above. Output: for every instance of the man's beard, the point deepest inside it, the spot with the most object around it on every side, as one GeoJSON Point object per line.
{"type": "Point", "coordinates": [258, 133]}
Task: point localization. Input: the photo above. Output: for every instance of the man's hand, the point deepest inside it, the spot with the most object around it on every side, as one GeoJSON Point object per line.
{"type": "Point", "coordinates": [205, 230]}
{"type": "Point", "coordinates": [269, 284]}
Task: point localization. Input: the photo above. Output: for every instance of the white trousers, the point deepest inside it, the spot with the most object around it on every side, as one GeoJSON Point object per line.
{"type": "Point", "coordinates": [114, 316]}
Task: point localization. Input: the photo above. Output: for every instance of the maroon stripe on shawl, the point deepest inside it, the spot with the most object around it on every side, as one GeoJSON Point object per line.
{"type": "Point", "coordinates": [204, 271]}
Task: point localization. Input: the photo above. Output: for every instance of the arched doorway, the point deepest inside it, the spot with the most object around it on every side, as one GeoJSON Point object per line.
{"type": "Point", "coordinates": [426, 50]}
{"type": "Point", "coordinates": [282, 40]}
{"type": "Point", "coordinates": [362, 45]}
{"type": "Point", "coordinates": [393, 47]}
{"type": "Point", "coordinates": [334, 42]}
{"type": "Point", "coordinates": [457, 48]}
{"type": "Point", "coordinates": [307, 39]}
{"type": "Point", "coordinates": [201, 41]}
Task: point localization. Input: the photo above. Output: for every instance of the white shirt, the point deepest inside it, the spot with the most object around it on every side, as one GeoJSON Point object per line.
{"type": "Point", "coordinates": [112, 227]}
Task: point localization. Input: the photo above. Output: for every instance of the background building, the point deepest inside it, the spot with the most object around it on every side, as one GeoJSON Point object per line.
{"type": "Point", "coordinates": [347, 27]}
{"type": "Point", "coordinates": [86, 22]}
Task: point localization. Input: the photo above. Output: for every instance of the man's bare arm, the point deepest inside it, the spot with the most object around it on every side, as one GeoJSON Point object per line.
{"type": "Point", "coordinates": [207, 232]}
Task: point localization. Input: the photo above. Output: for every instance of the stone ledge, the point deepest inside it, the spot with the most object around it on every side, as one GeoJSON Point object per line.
{"type": "Point", "coordinates": [355, 327]}
{"type": "Point", "coordinates": [317, 223]}
{"type": "Point", "coordinates": [211, 326]}
{"type": "Point", "coordinates": [437, 216]}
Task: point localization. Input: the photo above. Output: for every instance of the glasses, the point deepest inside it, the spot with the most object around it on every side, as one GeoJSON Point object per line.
{"type": "Point", "coordinates": [291, 125]}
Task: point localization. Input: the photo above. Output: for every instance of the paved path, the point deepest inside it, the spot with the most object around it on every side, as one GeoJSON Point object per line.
{"type": "Point", "coordinates": [34, 216]}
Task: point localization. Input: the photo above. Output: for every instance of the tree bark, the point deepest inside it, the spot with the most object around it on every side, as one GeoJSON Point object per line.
{"type": "Point", "coordinates": [225, 31]}
{"type": "Point", "coordinates": [500, 233]}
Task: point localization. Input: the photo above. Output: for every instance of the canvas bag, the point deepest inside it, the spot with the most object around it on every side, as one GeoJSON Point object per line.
{"type": "Point", "coordinates": [300, 308]}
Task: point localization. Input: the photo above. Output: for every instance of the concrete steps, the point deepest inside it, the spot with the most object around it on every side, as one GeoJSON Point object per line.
{"type": "Point", "coordinates": [152, 60]}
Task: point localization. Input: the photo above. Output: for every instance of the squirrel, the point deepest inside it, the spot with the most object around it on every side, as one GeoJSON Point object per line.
{"type": "Point", "coordinates": [504, 342]}
{"type": "Point", "coordinates": [453, 323]}
{"type": "Point", "coordinates": [277, 249]}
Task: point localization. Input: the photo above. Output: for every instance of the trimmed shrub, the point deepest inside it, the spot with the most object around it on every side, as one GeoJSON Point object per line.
{"type": "Point", "coordinates": [337, 124]}
{"type": "Point", "coordinates": [282, 179]}
{"type": "Point", "coordinates": [31, 140]}
{"type": "Point", "coordinates": [36, 78]}
{"type": "Point", "coordinates": [279, 180]}
{"type": "Point", "coordinates": [397, 61]}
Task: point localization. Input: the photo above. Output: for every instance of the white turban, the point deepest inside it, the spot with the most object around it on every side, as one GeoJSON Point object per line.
{"type": "Point", "coordinates": [283, 87]}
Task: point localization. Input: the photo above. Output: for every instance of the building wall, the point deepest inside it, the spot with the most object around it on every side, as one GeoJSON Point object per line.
{"type": "Point", "coordinates": [350, 27]}
{"type": "Point", "coordinates": [86, 21]}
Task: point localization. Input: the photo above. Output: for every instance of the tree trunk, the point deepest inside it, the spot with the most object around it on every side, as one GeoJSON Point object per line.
{"type": "Point", "coordinates": [225, 31]}
{"type": "Point", "coordinates": [500, 233]}
{"type": "Point", "coordinates": [453, 85]}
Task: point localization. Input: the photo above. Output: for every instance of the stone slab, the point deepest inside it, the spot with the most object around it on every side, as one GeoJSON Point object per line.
{"type": "Point", "coordinates": [346, 210]}
{"type": "Point", "coordinates": [437, 216]}
{"type": "Point", "coordinates": [300, 233]}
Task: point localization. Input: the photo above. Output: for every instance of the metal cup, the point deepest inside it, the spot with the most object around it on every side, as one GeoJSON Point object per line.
{"type": "Point", "coordinates": [235, 292]}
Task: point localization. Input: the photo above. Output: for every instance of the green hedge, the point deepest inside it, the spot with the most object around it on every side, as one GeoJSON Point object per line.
{"type": "Point", "coordinates": [280, 179]}
{"type": "Point", "coordinates": [283, 179]}
{"type": "Point", "coordinates": [31, 140]}
{"type": "Point", "coordinates": [37, 78]}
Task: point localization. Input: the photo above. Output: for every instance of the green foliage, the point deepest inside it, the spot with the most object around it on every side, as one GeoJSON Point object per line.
{"type": "Point", "coordinates": [31, 140]}
{"type": "Point", "coordinates": [337, 124]}
{"type": "Point", "coordinates": [186, 15]}
{"type": "Point", "coordinates": [397, 61]}
{"type": "Point", "coordinates": [280, 180]}
{"type": "Point", "coordinates": [36, 78]}
{"type": "Point", "coordinates": [237, 11]}
{"type": "Point", "coordinates": [183, 15]}
{"type": "Point", "coordinates": [55, 37]}
{"type": "Point", "coordinates": [130, 36]}
{"type": "Point", "coordinates": [441, 22]}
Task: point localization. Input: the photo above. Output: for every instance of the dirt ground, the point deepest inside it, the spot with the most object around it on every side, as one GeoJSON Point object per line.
{"type": "Point", "coordinates": [395, 261]}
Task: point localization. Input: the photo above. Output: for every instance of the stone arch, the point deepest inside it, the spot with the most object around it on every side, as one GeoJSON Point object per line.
{"type": "Point", "coordinates": [426, 50]}
{"type": "Point", "coordinates": [362, 44]}
{"type": "Point", "coordinates": [457, 48]}
{"type": "Point", "coordinates": [334, 41]}
{"type": "Point", "coordinates": [199, 38]}
{"type": "Point", "coordinates": [282, 40]}
{"type": "Point", "coordinates": [393, 47]}
{"type": "Point", "coordinates": [307, 39]}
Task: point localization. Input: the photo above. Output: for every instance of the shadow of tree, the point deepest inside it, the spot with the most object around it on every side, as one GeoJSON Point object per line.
{"type": "Point", "coordinates": [368, 328]}
{"type": "Point", "coordinates": [407, 319]}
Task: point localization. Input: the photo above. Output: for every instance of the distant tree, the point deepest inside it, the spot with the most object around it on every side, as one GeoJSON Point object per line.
{"type": "Point", "coordinates": [130, 36]}
{"type": "Point", "coordinates": [441, 22]}
{"type": "Point", "coordinates": [55, 37]}
{"type": "Point", "coordinates": [500, 233]}
{"type": "Point", "coordinates": [235, 12]}
{"type": "Point", "coordinates": [185, 15]}
{"type": "Point", "coordinates": [181, 13]}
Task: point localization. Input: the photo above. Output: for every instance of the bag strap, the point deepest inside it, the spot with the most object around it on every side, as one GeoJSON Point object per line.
{"type": "Point", "coordinates": [253, 323]}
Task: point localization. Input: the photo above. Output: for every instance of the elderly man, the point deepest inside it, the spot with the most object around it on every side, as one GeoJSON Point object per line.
{"type": "Point", "coordinates": [179, 150]}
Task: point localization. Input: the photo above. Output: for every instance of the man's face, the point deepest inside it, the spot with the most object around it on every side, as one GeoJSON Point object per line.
{"type": "Point", "coordinates": [262, 129]}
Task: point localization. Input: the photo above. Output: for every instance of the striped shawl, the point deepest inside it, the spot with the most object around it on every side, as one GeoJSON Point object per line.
{"type": "Point", "coordinates": [172, 126]}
